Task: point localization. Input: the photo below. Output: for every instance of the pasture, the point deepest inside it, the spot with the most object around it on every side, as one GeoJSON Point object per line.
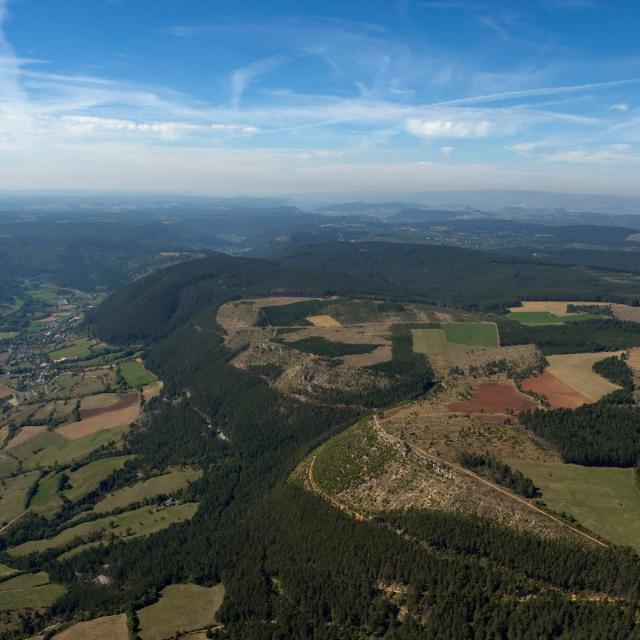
{"type": "Point", "coordinates": [105, 628]}
{"type": "Point", "coordinates": [13, 492]}
{"type": "Point", "coordinates": [182, 607]}
{"type": "Point", "coordinates": [552, 307]}
{"type": "Point", "coordinates": [48, 498]}
{"type": "Point", "coordinates": [27, 591]}
{"type": "Point", "coordinates": [81, 348]}
{"type": "Point", "coordinates": [135, 374]}
{"type": "Point", "coordinates": [472, 334]}
{"type": "Point", "coordinates": [130, 524]}
{"type": "Point", "coordinates": [165, 484]}
{"type": "Point", "coordinates": [603, 499]}
{"type": "Point", "coordinates": [433, 342]}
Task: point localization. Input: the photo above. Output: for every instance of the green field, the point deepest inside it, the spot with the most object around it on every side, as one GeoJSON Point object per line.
{"type": "Point", "coordinates": [182, 607]}
{"type": "Point", "coordinates": [130, 524]}
{"type": "Point", "coordinates": [544, 317]}
{"type": "Point", "coordinates": [472, 334]}
{"type": "Point", "coordinates": [6, 335]}
{"type": "Point", "coordinates": [48, 296]}
{"type": "Point", "coordinates": [603, 499]}
{"type": "Point", "coordinates": [135, 375]}
{"type": "Point", "coordinates": [13, 492]}
{"type": "Point", "coordinates": [49, 448]}
{"type": "Point", "coordinates": [28, 590]}
{"type": "Point", "coordinates": [78, 349]}
{"type": "Point", "coordinates": [455, 337]}
{"type": "Point", "coordinates": [48, 500]}
{"type": "Point", "coordinates": [165, 484]}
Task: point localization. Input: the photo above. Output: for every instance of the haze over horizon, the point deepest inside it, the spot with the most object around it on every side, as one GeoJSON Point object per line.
{"type": "Point", "coordinates": [388, 96]}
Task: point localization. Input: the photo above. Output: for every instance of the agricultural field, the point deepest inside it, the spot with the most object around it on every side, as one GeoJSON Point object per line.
{"type": "Point", "coordinates": [569, 373]}
{"type": "Point", "coordinates": [452, 338]}
{"type": "Point", "coordinates": [182, 607]}
{"type": "Point", "coordinates": [48, 448]}
{"type": "Point", "coordinates": [135, 374]}
{"type": "Point", "coordinates": [130, 524]}
{"type": "Point", "coordinates": [556, 308]}
{"type": "Point", "coordinates": [496, 401]}
{"type": "Point", "coordinates": [323, 321]}
{"type": "Point", "coordinates": [28, 590]}
{"type": "Point", "coordinates": [165, 484]}
{"type": "Point", "coordinates": [96, 419]}
{"type": "Point", "coordinates": [605, 500]}
{"type": "Point", "coordinates": [105, 628]}
{"type": "Point", "coordinates": [73, 385]}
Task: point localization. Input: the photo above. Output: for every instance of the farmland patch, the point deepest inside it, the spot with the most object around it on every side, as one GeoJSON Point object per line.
{"type": "Point", "coordinates": [558, 394]}
{"type": "Point", "coordinates": [494, 399]}
{"type": "Point", "coordinates": [28, 591]}
{"type": "Point", "coordinates": [105, 628]}
{"type": "Point", "coordinates": [167, 483]}
{"type": "Point", "coordinates": [182, 607]}
{"type": "Point", "coordinates": [135, 374]}
{"type": "Point", "coordinates": [122, 414]}
{"type": "Point", "coordinates": [130, 524]}
{"type": "Point", "coordinates": [323, 321]}
{"type": "Point", "coordinates": [603, 499]}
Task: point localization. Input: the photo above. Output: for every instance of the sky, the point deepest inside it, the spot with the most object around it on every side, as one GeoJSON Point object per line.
{"type": "Point", "coordinates": [275, 97]}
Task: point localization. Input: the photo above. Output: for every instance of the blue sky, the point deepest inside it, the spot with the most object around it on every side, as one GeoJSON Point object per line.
{"type": "Point", "coordinates": [229, 97]}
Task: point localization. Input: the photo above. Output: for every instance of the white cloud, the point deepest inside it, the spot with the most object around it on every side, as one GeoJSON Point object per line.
{"type": "Point", "coordinates": [615, 153]}
{"type": "Point", "coordinates": [446, 151]}
{"type": "Point", "coordinates": [447, 128]}
{"type": "Point", "coordinates": [619, 106]}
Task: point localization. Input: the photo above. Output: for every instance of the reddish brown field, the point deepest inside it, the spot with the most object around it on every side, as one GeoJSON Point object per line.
{"type": "Point", "coordinates": [5, 392]}
{"type": "Point", "coordinates": [26, 433]}
{"type": "Point", "coordinates": [559, 395]}
{"type": "Point", "coordinates": [494, 398]}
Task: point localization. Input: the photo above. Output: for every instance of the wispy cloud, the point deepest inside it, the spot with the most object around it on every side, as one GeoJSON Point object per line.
{"type": "Point", "coordinates": [242, 78]}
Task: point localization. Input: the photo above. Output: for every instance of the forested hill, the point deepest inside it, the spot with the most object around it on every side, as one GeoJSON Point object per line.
{"type": "Point", "coordinates": [156, 305]}
{"type": "Point", "coordinates": [292, 566]}
{"type": "Point", "coordinates": [452, 276]}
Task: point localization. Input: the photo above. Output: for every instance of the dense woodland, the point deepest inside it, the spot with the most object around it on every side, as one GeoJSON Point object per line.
{"type": "Point", "coordinates": [293, 566]}
{"type": "Point", "coordinates": [573, 337]}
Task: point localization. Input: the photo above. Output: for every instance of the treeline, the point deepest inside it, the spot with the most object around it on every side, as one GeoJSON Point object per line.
{"type": "Point", "coordinates": [575, 337]}
{"type": "Point", "coordinates": [600, 434]}
{"type": "Point", "coordinates": [615, 370]}
{"type": "Point", "coordinates": [500, 472]}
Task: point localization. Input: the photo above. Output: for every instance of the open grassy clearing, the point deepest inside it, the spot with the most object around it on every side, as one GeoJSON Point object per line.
{"type": "Point", "coordinates": [13, 493]}
{"type": "Point", "coordinates": [105, 628]}
{"type": "Point", "coordinates": [603, 499]}
{"type": "Point", "coordinates": [135, 374]}
{"type": "Point", "coordinates": [99, 401]}
{"type": "Point", "coordinates": [544, 317]}
{"type": "Point", "coordinates": [29, 590]}
{"type": "Point", "coordinates": [8, 465]}
{"type": "Point", "coordinates": [182, 607]}
{"type": "Point", "coordinates": [7, 335]}
{"type": "Point", "coordinates": [48, 498]}
{"type": "Point", "coordinates": [49, 447]}
{"type": "Point", "coordinates": [130, 524]}
{"type": "Point", "coordinates": [167, 483]}
{"type": "Point", "coordinates": [472, 334]}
